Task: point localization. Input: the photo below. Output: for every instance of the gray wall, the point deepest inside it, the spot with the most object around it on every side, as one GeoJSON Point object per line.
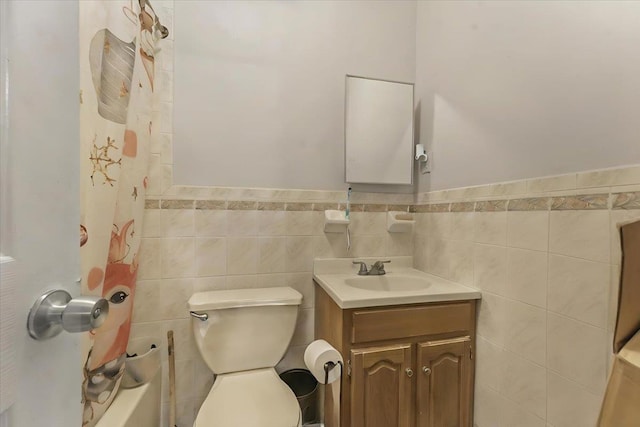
{"type": "Point", "coordinates": [513, 90]}
{"type": "Point", "coordinates": [259, 86]}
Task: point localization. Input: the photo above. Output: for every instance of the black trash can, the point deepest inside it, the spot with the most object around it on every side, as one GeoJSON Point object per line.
{"type": "Point", "coordinates": [305, 387]}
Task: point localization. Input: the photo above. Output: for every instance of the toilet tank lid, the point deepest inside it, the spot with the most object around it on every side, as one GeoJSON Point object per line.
{"type": "Point", "coordinates": [235, 298]}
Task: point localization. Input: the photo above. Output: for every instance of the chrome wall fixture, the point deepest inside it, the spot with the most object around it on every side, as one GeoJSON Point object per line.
{"type": "Point", "coordinates": [55, 311]}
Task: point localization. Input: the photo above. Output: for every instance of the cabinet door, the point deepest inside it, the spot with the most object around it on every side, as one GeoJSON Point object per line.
{"type": "Point", "coordinates": [444, 383]}
{"type": "Point", "coordinates": [381, 387]}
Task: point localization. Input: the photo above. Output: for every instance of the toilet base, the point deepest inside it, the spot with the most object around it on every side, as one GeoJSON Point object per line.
{"type": "Point", "coordinates": [249, 398]}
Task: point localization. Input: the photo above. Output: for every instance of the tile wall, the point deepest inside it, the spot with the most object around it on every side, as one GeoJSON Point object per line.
{"type": "Point", "coordinates": [545, 254]}
{"type": "Point", "coordinates": [200, 245]}
{"type": "Point", "coordinates": [546, 261]}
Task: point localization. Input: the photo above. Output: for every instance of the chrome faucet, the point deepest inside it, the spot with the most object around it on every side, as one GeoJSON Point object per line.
{"type": "Point", "coordinates": [377, 269]}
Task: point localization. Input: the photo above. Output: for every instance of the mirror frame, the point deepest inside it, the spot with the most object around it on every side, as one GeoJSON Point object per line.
{"type": "Point", "coordinates": [413, 130]}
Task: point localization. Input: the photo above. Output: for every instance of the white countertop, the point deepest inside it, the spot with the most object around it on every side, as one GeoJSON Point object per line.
{"type": "Point", "coordinates": [333, 274]}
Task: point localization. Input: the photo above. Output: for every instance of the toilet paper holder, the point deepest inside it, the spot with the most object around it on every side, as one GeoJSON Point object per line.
{"type": "Point", "coordinates": [55, 311]}
{"type": "Point", "coordinates": [328, 367]}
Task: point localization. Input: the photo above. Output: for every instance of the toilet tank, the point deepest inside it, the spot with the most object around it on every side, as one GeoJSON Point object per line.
{"type": "Point", "coordinates": [246, 328]}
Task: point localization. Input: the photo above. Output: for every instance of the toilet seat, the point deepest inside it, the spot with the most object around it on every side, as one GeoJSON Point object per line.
{"type": "Point", "coordinates": [249, 398]}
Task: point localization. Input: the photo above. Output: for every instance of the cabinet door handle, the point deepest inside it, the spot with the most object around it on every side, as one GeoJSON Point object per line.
{"type": "Point", "coordinates": [427, 371]}
{"type": "Point", "coordinates": [409, 372]}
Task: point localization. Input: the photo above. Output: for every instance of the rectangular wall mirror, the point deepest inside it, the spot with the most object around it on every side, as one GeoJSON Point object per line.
{"type": "Point", "coordinates": [378, 131]}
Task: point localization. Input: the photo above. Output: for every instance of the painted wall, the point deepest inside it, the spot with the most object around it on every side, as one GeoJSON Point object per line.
{"type": "Point", "coordinates": [259, 86]}
{"type": "Point", "coordinates": [513, 90]}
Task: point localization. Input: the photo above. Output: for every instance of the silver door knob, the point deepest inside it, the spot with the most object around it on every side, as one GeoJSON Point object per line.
{"type": "Point", "coordinates": [409, 372]}
{"type": "Point", "coordinates": [56, 311]}
{"type": "Point", "coordinates": [427, 371]}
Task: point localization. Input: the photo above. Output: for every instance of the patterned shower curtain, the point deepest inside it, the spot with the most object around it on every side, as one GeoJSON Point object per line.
{"type": "Point", "coordinates": [117, 46]}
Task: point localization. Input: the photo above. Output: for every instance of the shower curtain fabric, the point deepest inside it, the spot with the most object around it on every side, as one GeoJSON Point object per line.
{"type": "Point", "coordinates": [116, 86]}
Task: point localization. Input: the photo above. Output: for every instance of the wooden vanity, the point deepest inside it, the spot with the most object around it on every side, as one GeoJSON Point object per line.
{"type": "Point", "coordinates": [405, 365]}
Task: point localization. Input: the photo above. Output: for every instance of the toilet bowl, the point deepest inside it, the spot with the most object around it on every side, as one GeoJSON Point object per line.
{"type": "Point", "coordinates": [241, 335]}
{"type": "Point", "coordinates": [250, 398]}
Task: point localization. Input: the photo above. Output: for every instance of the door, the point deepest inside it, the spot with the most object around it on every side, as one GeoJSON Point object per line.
{"type": "Point", "coordinates": [40, 198]}
{"type": "Point", "coordinates": [444, 383]}
{"type": "Point", "coordinates": [381, 386]}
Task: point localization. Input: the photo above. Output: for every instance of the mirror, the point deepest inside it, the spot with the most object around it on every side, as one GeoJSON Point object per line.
{"type": "Point", "coordinates": [378, 131]}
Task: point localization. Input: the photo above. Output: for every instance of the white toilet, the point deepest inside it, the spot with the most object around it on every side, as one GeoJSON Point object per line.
{"type": "Point", "coordinates": [242, 334]}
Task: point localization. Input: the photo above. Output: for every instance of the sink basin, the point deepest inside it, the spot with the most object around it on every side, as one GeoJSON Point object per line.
{"type": "Point", "coordinates": [385, 283]}
{"type": "Point", "coordinates": [402, 284]}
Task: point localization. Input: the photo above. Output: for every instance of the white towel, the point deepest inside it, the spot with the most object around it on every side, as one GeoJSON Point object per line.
{"type": "Point", "coordinates": [8, 331]}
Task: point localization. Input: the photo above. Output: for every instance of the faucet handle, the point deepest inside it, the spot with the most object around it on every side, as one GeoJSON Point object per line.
{"type": "Point", "coordinates": [363, 267]}
{"type": "Point", "coordinates": [379, 265]}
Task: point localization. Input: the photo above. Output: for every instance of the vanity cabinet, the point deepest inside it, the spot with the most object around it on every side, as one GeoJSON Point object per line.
{"type": "Point", "coordinates": [405, 365]}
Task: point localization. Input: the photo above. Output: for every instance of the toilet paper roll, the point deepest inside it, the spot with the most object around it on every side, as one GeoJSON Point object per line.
{"type": "Point", "coordinates": [317, 354]}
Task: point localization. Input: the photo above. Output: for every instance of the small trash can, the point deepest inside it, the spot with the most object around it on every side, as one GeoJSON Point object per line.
{"type": "Point", "coordinates": [305, 387]}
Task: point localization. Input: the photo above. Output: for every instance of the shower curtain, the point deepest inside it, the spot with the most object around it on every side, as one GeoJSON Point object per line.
{"type": "Point", "coordinates": [117, 47]}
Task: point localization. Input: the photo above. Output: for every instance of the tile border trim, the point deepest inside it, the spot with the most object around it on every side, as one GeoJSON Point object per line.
{"type": "Point", "coordinates": [600, 201]}
{"type": "Point", "coordinates": [580, 202]}
{"type": "Point", "coordinates": [626, 200]}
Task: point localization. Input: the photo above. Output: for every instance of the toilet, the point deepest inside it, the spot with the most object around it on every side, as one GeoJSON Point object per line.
{"type": "Point", "coordinates": [242, 334]}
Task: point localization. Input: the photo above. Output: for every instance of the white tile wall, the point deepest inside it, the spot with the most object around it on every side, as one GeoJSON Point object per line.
{"type": "Point", "coordinates": [553, 183]}
{"type": "Point", "coordinates": [569, 404]}
{"type": "Point", "coordinates": [549, 281]}
{"type": "Point", "coordinates": [581, 234]}
{"type": "Point", "coordinates": [462, 225]}
{"type": "Point", "coordinates": [575, 351]}
{"type": "Point", "coordinates": [490, 268]}
{"type": "Point", "coordinates": [579, 289]}
{"type": "Point", "coordinates": [488, 407]}
{"type": "Point", "coordinates": [210, 223]}
{"type": "Point", "coordinates": [242, 223]}
{"type": "Point", "coordinates": [526, 332]}
{"type": "Point", "coordinates": [528, 230]}
{"type": "Point", "coordinates": [609, 177]}
{"type": "Point", "coordinates": [524, 383]}
{"type": "Point", "coordinates": [491, 228]}
{"type": "Point", "coordinates": [527, 276]}
{"type": "Point", "coordinates": [191, 250]}
{"type": "Point", "coordinates": [513, 414]}
{"type": "Point", "coordinates": [461, 253]}
{"type": "Point", "coordinates": [177, 222]}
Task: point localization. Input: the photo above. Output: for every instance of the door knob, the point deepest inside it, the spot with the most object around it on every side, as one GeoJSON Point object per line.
{"type": "Point", "coordinates": [409, 372]}
{"type": "Point", "coordinates": [56, 311]}
{"type": "Point", "coordinates": [427, 371]}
